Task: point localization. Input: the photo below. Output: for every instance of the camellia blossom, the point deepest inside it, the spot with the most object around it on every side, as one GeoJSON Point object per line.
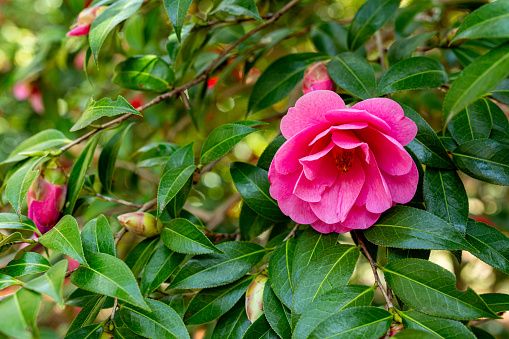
{"type": "Point", "coordinates": [85, 19]}
{"type": "Point", "coordinates": [29, 91]}
{"type": "Point", "coordinates": [316, 78]}
{"type": "Point", "coordinates": [341, 167]}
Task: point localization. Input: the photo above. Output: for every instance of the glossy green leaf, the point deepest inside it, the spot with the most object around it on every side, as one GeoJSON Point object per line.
{"type": "Point", "coordinates": [29, 263]}
{"type": "Point", "coordinates": [480, 333]}
{"type": "Point", "coordinates": [239, 7]}
{"type": "Point", "coordinates": [162, 323]}
{"type": "Point", "coordinates": [354, 74]}
{"type": "Point", "coordinates": [107, 20]}
{"type": "Point", "coordinates": [279, 79]}
{"type": "Point", "coordinates": [412, 73]}
{"type": "Point", "coordinates": [19, 183]}
{"type": "Point", "coordinates": [403, 48]}
{"type": "Point", "coordinates": [176, 302]}
{"type": "Point", "coordinates": [159, 268]}
{"type": "Point", "coordinates": [500, 130]}
{"type": "Point", "coordinates": [81, 297]}
{"type": "Point", "coordinates": [88, 314]}
{"type": "Point", "coordinates": [253, 185]}
{"type": "Point", "coordinates": [485, 159]}
{"type": "Point", "coordinates": [493, 245]}
{"type": "Point", "coordinates": [400, 253]}
{"type": "Point", "coordinates": [11, 221]}
{"type": "Point", "coordinates": [177, 12]}
{"type": "Point", "coordinates": [268, 154]}
{"type": "Point", "coordinates": [222, 140]}
{"type": "Point", "coordinates": [275, 313]}
{"type": "Point", "coordinates": [103, 108]}
{"type": "Point", "coordinates": [329, 37]}
{"type": "Point", "coordinates": [171, 183]}
{"type": "Point", "coordinates": [497, 302]}
{"type": "Point", "coordinates": [260, 329]}
{"type": "Point", "coordinates": [78, 171]}
{"type": "Point", "coordinates": [251, 224]}
{"type": "Point", "coordinates": [88, 332]}
{"type": "Point", "coordinates": [180, 235]}
{"type": "Point", "coordinates": [97, 237]}
{"type": "Point", "coordinates": [108, 158]}
{"type": "Point", "coordinates": [488, 21]}
{"type": "Point", "coordinates": [413, 334]}
{"type": "Point", "coordinates": [108, 275]}
{"type": "Point", "coordinates": [19, 312]}
{"type": "Point", "coordinates": [431, 289]}
{"type": "Point", "coordinates": [211, 270]}
{"type": "Point", "coordinates": [474, 122]}
{"type": "Point", "coordinates": [16, 236]}
{"type": "Point", "coordinates": [442, 328]}
{"type": "Point", "coordinates": [182, 156]}
{"type": "Point", "coordinates": [144, 72]}
{"type": "Point", "coordinates": [232, 324]}
{"type": "Point", "coordinates": [65, 238]}
{"type": "Point", "coordinates": [501, 93]}
{"type": "Point", "coordinates": [51, 282]}
{"type": "Point", "coordinates": [125, 333]}
{"type": "Point", "coordinates": [210, 304]}
{"type": "Point", "coordinates": [408, 227]}
{"type": "Point", "coordinates": [6, 281]}
{"type": "Point", "coordinates": [281, 271]}
{"type": "Point", "coordinates": [329, 303]}
{"type": "Point", "coordinates": [140, 254]}
{"type": "Point", "coordinates": [480, 77]}
{"type": "Point", "coordinates": [370, 18]}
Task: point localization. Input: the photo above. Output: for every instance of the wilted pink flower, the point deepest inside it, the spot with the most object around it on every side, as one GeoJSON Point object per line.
{"type": "Point", "coordinates": [46, 197]}
{"type": "Point", "coordinates": [29, 91]}
{"type": "Point", "coordinates": [342, 167]}
{"type": "Point", "coordinates": [140, 223]}
{"type": "Point", "coordinates": [316, 77]}
{"type": "Point", "coordinates": [254, 297]}
{"type": "Point", "coordinates": [85, 19]}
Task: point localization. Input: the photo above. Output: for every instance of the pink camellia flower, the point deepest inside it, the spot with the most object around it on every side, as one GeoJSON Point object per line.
{"type": "Point", "coordinates": [29, 91]}
{"type": "Point", "coordinates": [316, 78]}
{"type": "Point", "coordinates": [341, 167]}
{"type": "Point", "coordinates": [46, 197]}
{"type": "Point", "coordinates": [85, 19]}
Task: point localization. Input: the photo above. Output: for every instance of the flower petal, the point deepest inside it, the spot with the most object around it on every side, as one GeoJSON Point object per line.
{"type": "Point", "coordinates": [360, 218]}
{"type": "Point", "coordinates": [402, 187]}
{"type": "Point", "coordinates": [374, 194]}
{"type": "Point", "coordinates": [80, 30]}
{"type": "Point", "coordinates": [350, 115]}
{"type": "Point", "coordinates": [311, 190]}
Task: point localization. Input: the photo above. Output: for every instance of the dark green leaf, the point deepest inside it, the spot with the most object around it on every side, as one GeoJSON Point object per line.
{"type": "Point", "coordinates": [474, 122]}
{"type": "Point", "coordinates": [182, 156]}
{"type": "Point", "coordinates": [501, 93]}
{"type": "Point", "coordinates": [370, 17]}
{"type": "Point", "coordinates": [413, 334]}
{"type": "Point", "coordinates": [222, 140]}
{"type": "Point", "coordinates": [442, 328]}
{"type": "Point", "coordinates": [260, 329]}
{"type": "Point", "coordinates": [171, 183]}
{"type": "Point", "coordinates": [19, 312]}
{"type": "Point", "coordinates": [480, 333]}
{"type": "Point", "coordinates": [488, 21]}
{"type": "Point", "coordinates": [29, 263]}
{"type": "Point", "coordinates": [180, 235]}
{"type": "Point", "coordinates": [19, 183]}
{"type": "Point", "coordinates": [125, 333]}
{"type": "Point", "coordinates": [211, 270]}
{"type": "Point", "coordinates": [96, 237]}
{"type": "Point", "coordinates": [412, 73]}
{"type": "Point", "coordinates": [275, 313]}
{"type": "Point", "coordinates": [269, 152]}
{"type": "Point", "coordinates": [500, 130]}
{"type": "Point", "coordinates": [497, 302]}
{"type": "Point", "coordinates": [400, 253]}
{"type": "Point", "coordinates": [88, 313]}
{"type": "Point", "coordinates": [159, 268]}
{"type": "Point", "coordinates": [6, 281]}
{"type": "Point", "coordinates": [493, 245]}
{"type": "Point", "coordinates": [329, 37]}
{"type": "Point", "coordinates": [403, 48]}
{"type": "Point", "coordinates": [239, 7]}
{"type": "Point", "coordinates": [177, 12]}
{"type": "Point", "coordinates": [251, 224]}
{"type": "Point", "coordinates": [51, 282]}
{"type": "Point", "coordinates": [354, 74]}
{"type": "Point", "coordinates": [232, 324]}
{"type": "Point", "coordinates": [108, 158]}
{"type": "Point", "coordinates": [12, 221]}
{"type": "Point", "coordinates": [485, 159]}
{"type": "Point", "coordinates": [11, 238]}
{"type": "Point", "coordinates": [281, 271]}
{"type": "Point", "coordinates": [145, 72]}
{"type": "Point", "coordinates": [88, 332]}
{"type": "Point", "coordinates": [430, 288]}
{"type": "Point", "coordinates": [139, 255]}
{"type": "Point", "coordinates": [110, 276]}
{"type": "Point", "coordinates": [65, 238]}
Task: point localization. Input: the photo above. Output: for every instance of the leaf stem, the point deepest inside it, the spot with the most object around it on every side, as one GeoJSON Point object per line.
{"type": "Point", "coordinates": [118, 201]}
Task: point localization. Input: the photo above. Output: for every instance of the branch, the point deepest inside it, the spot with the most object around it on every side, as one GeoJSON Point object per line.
{"type": "Point", "coordinates": [381, 49]}
{"type": "Point", "coordinates": [118, 201]}
{"type": "Point", "coordinates": [292, 233]}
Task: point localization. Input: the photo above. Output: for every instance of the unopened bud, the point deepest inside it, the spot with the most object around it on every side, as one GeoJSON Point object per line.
{"type": "Point", "coordinates": [396, 328]}
{"type": "Point", "coordinates": [85, 19]}
{"type": "Point", "coordinates": [254, 297]}
{"type": "Point", "coordinates": [107, 335]}
{"type": "Point", "coordinates": [143, 224]}
{"type": "Point", "coordinates": [316, 78]}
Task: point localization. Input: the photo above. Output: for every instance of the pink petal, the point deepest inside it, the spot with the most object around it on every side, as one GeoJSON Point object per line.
{"type": "Point", "coordinates": [402, 187]}
{"type": "Point", "coordinates": [360, 218]}
{"type": "Point", "coordinates": [349, 115]}
{"type": "Point", "coordinates": [374, 194]}
{"type": "Point", "coordinates": [353, 125]}
{"type": "Point", "coordinates": [326, 173]}
{"type": "Point", "coordinates": [403, 129]}
{"type": "Point", "coordinates": [323, 227]}
{"type": "Point", "coordinates": [80, 30]}
{"type": "Point", "coordinates": [348, 140]}
{"type": "Point", "coordinates": [311, 163]}
{"type": "Point", "coordinates": [309, 110]}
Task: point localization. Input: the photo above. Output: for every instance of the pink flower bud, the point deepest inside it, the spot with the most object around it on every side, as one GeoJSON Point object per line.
{"type": "Point", "coordinates": [316, 78]}
{"type": "Point", "coordinates": [396, 328]}
{"type": "Point", "coordinates": [254, 297]}
{"type": "Point", "coordinates": [46, 197]}
{"type": "Point", "coordinates": [143, 224]}
{"type": "Point", "coordinates": [85, 19]}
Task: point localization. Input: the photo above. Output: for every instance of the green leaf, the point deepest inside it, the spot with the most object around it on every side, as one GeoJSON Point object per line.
{"type": "Point", "coordinates": [474, 122]}
{"type": "Point", "coordinates": [329, 37]}
{"type": "Point", "coordinates": [370, 18]}
{"type": "Point", "coordinates": [329, 303]}
{"type": "Point", "coordinates": [356, 322]}
{"type": "Point", "coordinates": [426, 145]}
{"type": "Point", "coordinates": [88, 314]}
{"type": "Point", "coordinates": [210, 304]}
{"type": "Point", "coordinates": [107, 20]}
{"type": "Point", "coordinates": [145, 73]}
{"type": "Point", "coordinates": [51, 282]}
{"type": "Point", "coordinates": [6, 281]}
{"type": "Point", "coordinates": [251, 224]}
{"type": "Point", "coordinates": [500, 130]}
{"type": "Point", "coordinates": [354, 74]}
{"type": "Point", "coordinates": [403, 48]}
{"type": "Point", "coordinates": [11, 238]}
{"type": "Point", "coordinates": [177, 12]}
{"type": "Point", "coordinates": [480, 77]}
{"type": "Point", "coordinates": [65, 238]}
{"type": "Point", "coordinates": [268, 154]}
{"type": "Point", "coordinates": [162, 323]}
{"type": "Point", "coordinates": [408, 227]}
{"type": "Point", "coordinates": [493, 245]}
{"type": "Point", "coordinates": [176, 302]}
{"type": "Point", "coordinates": [278, 318]}
{"type": "Point", "coordinates": [442, 328]}
{"type": "Point", "coordinates": [108, 275]}
{"type": "Point", "coordinates": [140, 254]}
{"type": "Point", "coordinates": [180, 235]}
{"type": "Point", "coordinates": [281, 271]}
{"type": "Point", "coordinates": [488, 21]}
{"type": "Point", "coordinates": [430, 288]}
{"type": "Point", "coordinates": [97, 237]}
{"type": "Point", "coordinates": [260, 329]}
{"type": "Point", "coordinates": [19, 183]}
{"type": "Point", "coordinates": [480, 333]}
{"type": "Point", "coordinates": [232, 324]}
{"type": "Point", "coordinates": [222, 140]}
{"type": "Point", "coordinates": [103, 108]}
{"type": "Point", "coordinates": [211, 270]}
{"type": "Point", "coordinates": [414, 334]}
{"type": "Point", "coordinates": [78, 171]}
{"type": "Point", "coordinates": [497, 302]}
{"type": "Point", "coordinates": [412, 73]}
{"type": "Point", "coordinates": [11, 221]}
{"type": "Point", "coordinates": [125, 333]}
{"type": "Point", "coordinates": [400, 253]}
{"type": "Point", "coordinates": [29, 263]}
{"type": "Point", "coordinates": [182, 156]}
{"type": "Point", "coordinates": [18, 314]}
{"type": "Point", "coordinates": [108, 158]}
{"type": "Point", "coordinates": [171, 183]}
{"type": "Point", "coordinates": [279, 79]}
{"type": "Point", "coordinates": [239, 7]}
{"type": "Point", "coordinates": [501, 93]}
{"type": "Point", "coordinates": [445, 197]}
{"type": "Point", "coordinates": [159, 268]}
{"type": "Point", "coordinates": [332, 268]}
{"type": "Point", "coordinates": [88, 332]}
{"type": "Point", "coordinates": [253, 185]}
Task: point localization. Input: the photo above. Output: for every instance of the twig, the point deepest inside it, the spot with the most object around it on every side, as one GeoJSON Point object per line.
{"type": "Point", "coordinates": [235, 21]}
{"type": "Point", "coordinates": [381, 49]}
{"type": "Point", "coordinates": [185, 99]}
{"type": "Point", "coordinates": [115, 305]}
{"type": "Point", "coordinates": [118, 201]}
{"type": "Point", "coordinates": [292, 233]}
{"type": "Point", "coordinates": [208, 168]}
{"type": "Point", "coordinates": [68, 273]}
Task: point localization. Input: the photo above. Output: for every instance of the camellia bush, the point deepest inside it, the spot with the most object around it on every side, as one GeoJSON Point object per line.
{"type": "Point", "coordinates": [253, 169]}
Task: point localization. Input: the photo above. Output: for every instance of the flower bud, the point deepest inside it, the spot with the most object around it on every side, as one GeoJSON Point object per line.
{"type": "Point", "coordinates": [46, 196]}
{"type": "Point", "coordinates": [316, 77]}
{"type": "Point", "coordinates": [85, 19]}
{"type": "Point", "coordinates": [143, 224]}
{"type": "Point", "coordinates": [254, 297]}
{"type": "Point", "coordinates": [396, 328]}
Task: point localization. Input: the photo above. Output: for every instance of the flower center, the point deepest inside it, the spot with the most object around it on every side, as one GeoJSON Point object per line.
{"type": "Point", "coordinates": [343, 158]}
